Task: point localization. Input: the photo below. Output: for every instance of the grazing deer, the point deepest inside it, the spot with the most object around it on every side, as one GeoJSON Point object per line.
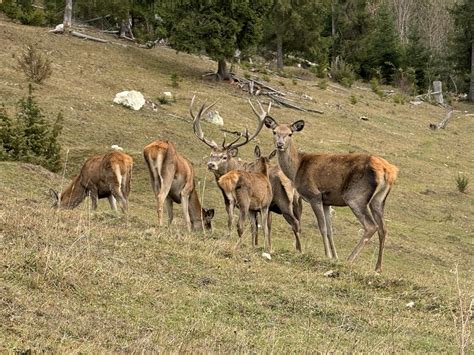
{"type": "Point", "coordinates": [101, 176]}
{"type": "Point", "coordinates": [286, 200]}
{"type": "Point", "coordinates": [172, 180]}
{"type": "Point", "coordinates": [360, 181]}
{"type": "Point", "coordinates": [252, 192]}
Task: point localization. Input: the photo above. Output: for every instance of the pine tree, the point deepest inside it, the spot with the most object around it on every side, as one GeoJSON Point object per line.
{"type": "Point", "coordinates": [463, 45]}
{"type": "Point", "coordinates": [217, 27]}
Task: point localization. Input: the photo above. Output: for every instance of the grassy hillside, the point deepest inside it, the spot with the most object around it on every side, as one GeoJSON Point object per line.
{"type": "Point", "coordinates": [86, 282]}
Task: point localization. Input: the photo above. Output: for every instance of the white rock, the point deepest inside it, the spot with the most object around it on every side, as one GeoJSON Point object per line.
{"type": "Point", "coordinates": [58, 29]}
{"type": "Point", "coordinates": [116, 147]}
{"type": "Point", "coordinates": [168, 95]}
{"type": "Point", "coordinates": [266, 256]}
{"type": "Point", "coordinates": [410, 304]}
{"type": "Point", "coordinates": [133, 99]}
{"type": "Point", "coordinates": [215, 118]}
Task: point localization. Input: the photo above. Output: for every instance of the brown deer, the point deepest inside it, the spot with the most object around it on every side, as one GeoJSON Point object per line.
{"type": "Point", "coordinates": [252, 192]}
{"type": "Point", "coordinates": [360, 181]}
{"type": "Point", "coordinates": [172, 180]}
{"type": "Point", "coordinates": [286, 200]}
{"type": "Point", "coordinates": [101, 176]}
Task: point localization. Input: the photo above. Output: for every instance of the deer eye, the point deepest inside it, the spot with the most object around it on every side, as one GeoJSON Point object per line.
{"type": "Point", "coordinates": [224, 157]}
{"type": "Point", "coordinates": [274, 132]}
{"type": "Point", "coordinates": [289, 135]}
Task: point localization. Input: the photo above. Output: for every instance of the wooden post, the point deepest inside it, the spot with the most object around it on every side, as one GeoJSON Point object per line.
{"type": "Point", "coordinates": [438, 92]}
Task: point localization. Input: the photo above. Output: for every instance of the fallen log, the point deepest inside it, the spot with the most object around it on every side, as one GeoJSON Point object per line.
{"type": "Point", "coordinates": [443, 123]}
{"type": "Point", "coordinates": [293, 106]}
{"type": "Point", "coordinates": [91, 38]}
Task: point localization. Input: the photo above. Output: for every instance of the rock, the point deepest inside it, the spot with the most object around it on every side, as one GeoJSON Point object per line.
{"type": "Point", "coordinates": [331, 273]}
{"type": "Point", "coordinates": [416, 103]}
{"type": "Point", "coordinates": [116, 147]}
{"type": "Point", "coordinates": [168, 95]}
{"type": "Point", "coordinates": [58, 29]}
{"type": "Point", "coordinates": [364, 118]}
{"type": "Point", "coordinates": [266, 256]}
{"type": "Point", "coordinates": [132, 99]}
{"type": "Point", "coordinates": [410, 304]}
{"type": "Point", "coordinates": [215, 118]}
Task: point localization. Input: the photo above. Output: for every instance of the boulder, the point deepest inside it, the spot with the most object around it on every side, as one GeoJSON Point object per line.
{"type": "Point", "coordinates": [215, 118]}
{"type": "Point", "coordinates": [132, 99]}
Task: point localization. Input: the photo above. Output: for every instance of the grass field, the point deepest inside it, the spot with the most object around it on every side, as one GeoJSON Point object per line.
{"type": "Point", "coordinates": [79, 281]}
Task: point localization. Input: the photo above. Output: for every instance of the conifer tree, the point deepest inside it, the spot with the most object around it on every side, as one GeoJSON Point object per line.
{"type": "Point", "coordinates": [217, 27]}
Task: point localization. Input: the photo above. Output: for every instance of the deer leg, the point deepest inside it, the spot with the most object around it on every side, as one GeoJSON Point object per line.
{"type": "Point", "coordinates": [318, 209]}
{"type": "Point", "coordinates": [185, 203]}
{"type": "Point", "coordinates": [112, 203]}
{"type": "Point", "coordinates": [377, 209]}
{"type": "Point", "coordinates": [327, 216]}
{"type": "Point", "coordinates": [240, 223]}
{"type": "Point", "coordinates": [254, 227]}
{"type": "Point", "coordinates": [359, 208]}
{"type": "Point", "coordinates": [295, 226]}
{"type": "Point", "coordinates": [269, 222]}
{"type": "Point", "coordinates": [169, 209]}
{"type": "Point", "coordinates": [266, 230]}
{"type": "Point", "coordinates": [94, 195]}
{"type": "Point", "coordinates": [160, 199]}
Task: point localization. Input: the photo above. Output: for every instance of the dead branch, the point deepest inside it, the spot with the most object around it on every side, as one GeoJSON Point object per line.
{"type": "Point", "coordinates": [443, 123]}
{"type": "Point", "coordinates": [91, 38]}
{"type": "Point", "coordinates": [285, 103]}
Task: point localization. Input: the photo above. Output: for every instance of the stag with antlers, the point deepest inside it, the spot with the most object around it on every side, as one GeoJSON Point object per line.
{"type": "Point", "coordinates": [360, 181]}
{"type": "Point", "coordinates": [222, 159]}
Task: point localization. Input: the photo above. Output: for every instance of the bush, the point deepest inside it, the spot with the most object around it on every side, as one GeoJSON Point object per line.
{"type": "Point", "coordinates": [175, 80]}
{"type": "Point", "coordinates": [24, 12]}
{"type": "Point", "coordinates": [399, 98]}
{"type": "Point", "coordinates": [34, 64]}
{"type": "Point", "coordinates": [461, 182]}
{"type": "Point", "coordinates": [323, 84]}
{"type": "Point", "coordinates": [353, 99]}
{"type": "Point", "coordinates": [405, 79]}
{"type": "Point", "coordinates": [342, 72]}
{"type": "Point", "coordinates": [30, 137]}
{"type": "Point", "coordinates": [374, 84]}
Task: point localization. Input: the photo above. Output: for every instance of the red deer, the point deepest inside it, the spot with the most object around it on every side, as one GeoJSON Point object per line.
{"type": "Point", "coordinates": [101, 176]}
{"type": "Point", "coordinates": [172, 180]}
{"type": "Point", "coordinates": [360, 181]}
{"type": "Point", "coordinates": [252, 192]}
{"type": "Point", "coordinates": [286, 200]}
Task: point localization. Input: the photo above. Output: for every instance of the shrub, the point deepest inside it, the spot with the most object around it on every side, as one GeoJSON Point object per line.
{"type": "Point", "coordinates": [323, 84]}
{"type": "Point", "coordinates": [30, 137]}
{"type": "Point", "coordinates": [399, 98]}
{"type": "Point", "coordinates": [35, 65]}
{"type": "Point", "coordinates": [342, 72]}
{"type": "Point", "coordinates": [461, 182]}
{"type": "Point", "coordinates": [24, 12]}
{"type": "Point", "coordinates": [353, 99]}
{"type": "Point", "coordinates": [374, 84]}
{"type": "Point", "coordinates": [405, 79]}
{"type": "Point", "coordinates": [175, 80]}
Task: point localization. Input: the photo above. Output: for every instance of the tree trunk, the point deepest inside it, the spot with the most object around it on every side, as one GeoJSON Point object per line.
{"type": "Point", "coordinates": [67, 16]}
{"type": "Point", "coordinates": [333, 21]}
{"type": "Point", "coordinates": [279, 40]}
{"type": "Point", "coordinates": [438, 92]}
{"type": "Point", "coordinates": [222, 72]}
{"type": "Point", "coordinates": [471, 91]}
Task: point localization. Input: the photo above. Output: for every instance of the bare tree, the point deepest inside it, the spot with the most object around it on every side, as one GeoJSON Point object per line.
{"type": "Point", "coordinates": [67, 15]}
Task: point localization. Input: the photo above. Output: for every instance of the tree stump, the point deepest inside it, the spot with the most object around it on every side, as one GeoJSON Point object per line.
{"type": "Point", "coordinates": [438, 92]}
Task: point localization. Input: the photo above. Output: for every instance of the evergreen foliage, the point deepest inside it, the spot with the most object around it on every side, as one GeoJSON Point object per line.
{"type": "Point", "coordinates": [29, 137]}
{"type": "Point", "coordinates": [34, 64]}
{"type": "Point", "coordinates": [216, 27]}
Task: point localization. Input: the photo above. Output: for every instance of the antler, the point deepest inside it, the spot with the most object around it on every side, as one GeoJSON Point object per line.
{"type": "Point", "coordinates": [197, 123]}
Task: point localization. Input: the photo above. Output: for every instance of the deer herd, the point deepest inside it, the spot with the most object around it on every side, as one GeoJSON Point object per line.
{"type": "Point", "coordinates": [360, 181]}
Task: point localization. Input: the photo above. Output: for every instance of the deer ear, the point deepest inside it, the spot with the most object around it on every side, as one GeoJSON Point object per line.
{"type": "Point", "coordinates": [257, 152]}
{"type": "Point", "coordinates": [297, 126]}
{"type": "Point", "coordinates": [272, 154]}
{"type": "Point", "coordinates": [233, 152]}
{"type": "Point", "coordinates": [270, 122]}
{"type": "Point", "coordinates": [54, 195]}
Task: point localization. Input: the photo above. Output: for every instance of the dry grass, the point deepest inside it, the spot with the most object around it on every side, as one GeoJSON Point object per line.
{"type": "Point", "coordinates": [89, 282]}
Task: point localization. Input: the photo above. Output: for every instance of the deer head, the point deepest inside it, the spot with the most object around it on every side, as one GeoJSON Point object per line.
{"type": "Point", "coordinates": [220, 159]}
{"type": "Point", "coordinates": [282, 132]}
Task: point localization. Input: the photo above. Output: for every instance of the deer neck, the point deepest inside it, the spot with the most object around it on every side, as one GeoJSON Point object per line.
{"type": "Point", "coordinates": [289, 161]}
{"type": "Point", "coordinates": [232, 164]}
{"type": "Point", "coordinates": [195, 211]}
